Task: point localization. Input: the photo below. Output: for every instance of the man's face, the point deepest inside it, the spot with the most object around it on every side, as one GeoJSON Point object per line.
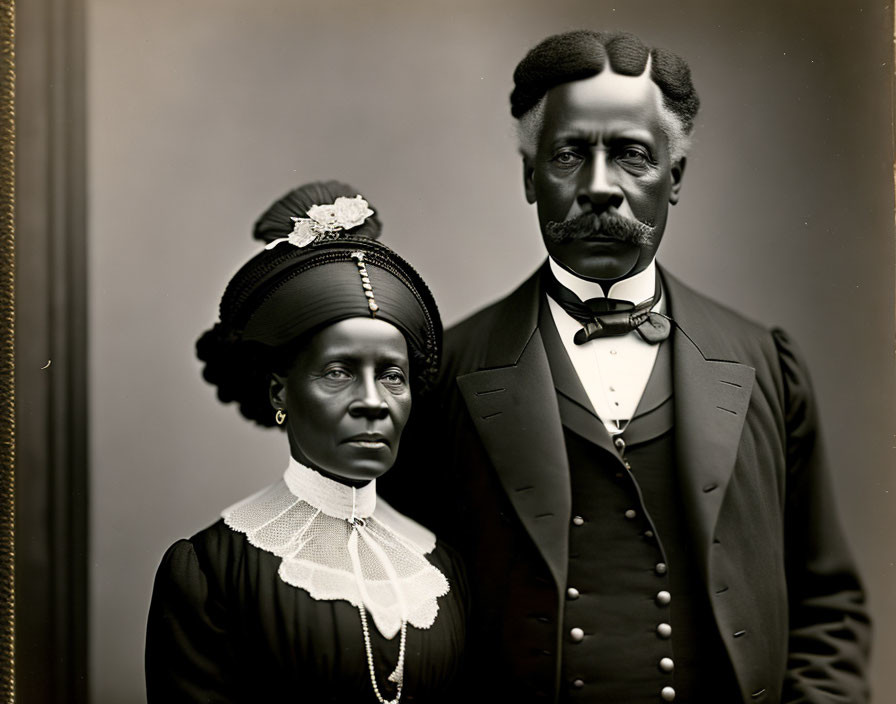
{"type": "Point", "coordinates": [601, 176]}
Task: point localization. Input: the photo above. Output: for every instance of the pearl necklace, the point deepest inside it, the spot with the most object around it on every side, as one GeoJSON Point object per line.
{"type": "Point", "coordinates": [398, 675]}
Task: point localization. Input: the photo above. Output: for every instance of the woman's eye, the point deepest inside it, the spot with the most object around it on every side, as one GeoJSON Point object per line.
{"type": "Point", "coordinates": [393, 377]}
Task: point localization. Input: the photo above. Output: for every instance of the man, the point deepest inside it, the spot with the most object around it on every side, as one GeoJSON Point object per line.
{"type": "Point", "coordinates": [642, 500]}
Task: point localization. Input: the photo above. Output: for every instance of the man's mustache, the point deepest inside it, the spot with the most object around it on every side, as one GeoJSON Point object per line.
{"type": "Point", "coordinates": [607, 225]}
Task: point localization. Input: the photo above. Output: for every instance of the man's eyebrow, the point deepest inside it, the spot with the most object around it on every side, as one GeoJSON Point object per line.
{"type": "Point", "coordinates": [633, 135]}
{"type": "Point", "coordinates": [626, 134]}
{"type": "Point", "coordinates": [576, 136]}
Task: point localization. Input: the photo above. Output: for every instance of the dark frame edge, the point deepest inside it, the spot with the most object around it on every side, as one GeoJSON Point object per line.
{"type": "Point", "coordinates": [51, 406]}
{"type": "Point", "coordinates": [7, 350]}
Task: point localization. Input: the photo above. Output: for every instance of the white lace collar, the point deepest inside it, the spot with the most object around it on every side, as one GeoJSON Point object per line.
{"type": "Point", "coordinates": [338, 542]}
{"type": "Point", "coordinates": [331, 497]}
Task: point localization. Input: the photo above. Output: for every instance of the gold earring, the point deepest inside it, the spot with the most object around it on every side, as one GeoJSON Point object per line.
{"type": "Point", "coordinates": [280, 416]}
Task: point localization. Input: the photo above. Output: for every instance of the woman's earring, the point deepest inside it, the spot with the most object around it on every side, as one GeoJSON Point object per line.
{"type": "Point", "coordinates": [280, 416]}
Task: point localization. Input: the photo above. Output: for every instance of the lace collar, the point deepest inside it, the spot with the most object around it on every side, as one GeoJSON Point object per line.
{"type": "Point", "coordinates": [338, 542]}
{"type": "Point", "coordinates": [331, 497]}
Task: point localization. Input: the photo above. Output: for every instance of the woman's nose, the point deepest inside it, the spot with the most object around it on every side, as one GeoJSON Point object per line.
{"type": "Point", "coordinates": [370, 402]}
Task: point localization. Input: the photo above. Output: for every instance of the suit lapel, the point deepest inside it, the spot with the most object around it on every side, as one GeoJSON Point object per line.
{"type": "Point", "coordinates": [515, 412]}
{"type": "Point", "coordinates": [513, 405]}
{"type": "Point", "coordinates": [576, 411]}
{"type": "Point", "coordinates": [712, 394]}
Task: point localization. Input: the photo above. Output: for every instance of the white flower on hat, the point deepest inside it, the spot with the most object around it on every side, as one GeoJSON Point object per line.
{"type": "Point", "coordinates": [350, 212]}
{"type": "Point", "coordinates": [303, 233]}
{"type": "Point", "coordinates": [325, 221]}
{"type": "Point", "coordinates": [325, 216]}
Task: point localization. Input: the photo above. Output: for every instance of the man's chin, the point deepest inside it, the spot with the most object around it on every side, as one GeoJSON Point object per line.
{"type": "Point", "coordinates": [597, 259]}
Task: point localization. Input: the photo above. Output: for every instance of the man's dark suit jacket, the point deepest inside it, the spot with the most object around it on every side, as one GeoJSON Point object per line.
{"type": "Point", "coordinates": [488, 453]}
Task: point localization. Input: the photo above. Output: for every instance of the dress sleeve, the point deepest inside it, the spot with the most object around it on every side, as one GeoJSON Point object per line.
{"type": "Point", "coordinates": [189, 657]}
{"type": "Point", "coordinates": [829, 624]}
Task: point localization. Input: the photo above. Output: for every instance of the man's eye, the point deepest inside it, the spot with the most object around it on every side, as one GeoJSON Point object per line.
{"type": "Point", "coordinates": [336, 374]}
{"type": "Point", "coordinates": [567, 159]}
{"type": "Point", "coordinates": [634, 156]}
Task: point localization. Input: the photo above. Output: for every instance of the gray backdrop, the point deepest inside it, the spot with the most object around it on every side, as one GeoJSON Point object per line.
{"type": "Point", "coordinates": [203, 112]}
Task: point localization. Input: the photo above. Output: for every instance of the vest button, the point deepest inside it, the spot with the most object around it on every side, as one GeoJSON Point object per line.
{"type": "Point", "coordinates": [663, 598]}
{"type": "Point", "coordinates": [668, 694]}
{"type": "Point", "coordinates": [630, 513]}
{"type": "Point", "coordinates": [648, 533]}
{"type": "Point", "coordinates": [578, 521]}
{"type": "Point", "coordinates": [577, 634]}
{"type": "Point", "coordinates": [572, 593]}
{"type": "Point", "coordinates": [578, 684]}
{"type": "Point", "coordinates": [667, 665]}
{"type": "Point", "coordinates": [660, 568]}
{"type": "Point", "coordinates": [664, 630]}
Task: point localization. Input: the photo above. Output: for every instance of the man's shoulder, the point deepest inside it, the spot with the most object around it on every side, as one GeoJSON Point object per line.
{"type": "Point", "coordinates": [467, 342]}
{"type": "Point", "coordinates": [473, 324]}
{"type": "Point", "coordinates": [692, 302]}
{"type": "Point", "coordinates": [719, 331]}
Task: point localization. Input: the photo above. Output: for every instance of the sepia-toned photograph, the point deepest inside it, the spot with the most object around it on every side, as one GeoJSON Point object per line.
{"type": "Point", "coordinates": [497, 351]}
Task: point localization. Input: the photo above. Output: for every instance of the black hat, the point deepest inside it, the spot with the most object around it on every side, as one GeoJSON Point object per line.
{"type": "Point", "coordinates": [287, 292]}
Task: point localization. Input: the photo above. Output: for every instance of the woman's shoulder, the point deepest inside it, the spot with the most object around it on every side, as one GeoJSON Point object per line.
{"type": "Point", "coordinates": [449, 561]}
{"type": "Point", "coordinates": [216, 537]}
{"type": "Point", "coordinates": [445, 553]}
{"type": "Point", "coordinates": [209, 551]}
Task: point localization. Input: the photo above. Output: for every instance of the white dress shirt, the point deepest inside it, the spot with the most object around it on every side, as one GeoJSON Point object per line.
{"type": "Point", "coordinates": [613, 370]}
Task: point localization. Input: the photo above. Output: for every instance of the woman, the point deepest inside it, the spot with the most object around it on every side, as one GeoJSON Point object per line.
{"type": "Point", "coordinates": [313, 589]}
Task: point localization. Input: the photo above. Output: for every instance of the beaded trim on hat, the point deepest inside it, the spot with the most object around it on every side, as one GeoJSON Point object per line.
{"type": "Point", "coordinates": [365, 283]}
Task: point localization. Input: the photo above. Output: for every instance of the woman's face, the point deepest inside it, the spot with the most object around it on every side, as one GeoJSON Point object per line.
{"type": "Point", "coordinates": [347, 399]}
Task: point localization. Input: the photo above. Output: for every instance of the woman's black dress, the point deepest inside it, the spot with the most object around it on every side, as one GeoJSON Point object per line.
{"type": "Point", "coordinates": [223, 627]}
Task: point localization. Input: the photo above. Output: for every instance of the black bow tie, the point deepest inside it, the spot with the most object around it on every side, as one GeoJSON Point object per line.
{"type": "Point", "coordinates": [610, 317]}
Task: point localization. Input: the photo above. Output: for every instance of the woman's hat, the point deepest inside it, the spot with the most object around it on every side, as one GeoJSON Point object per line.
{"type": "Point", "coordinates": [317, 269]}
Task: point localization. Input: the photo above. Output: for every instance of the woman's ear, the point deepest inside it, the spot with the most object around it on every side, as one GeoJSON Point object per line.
{"type": "Point", "coordinates": [277, 391]}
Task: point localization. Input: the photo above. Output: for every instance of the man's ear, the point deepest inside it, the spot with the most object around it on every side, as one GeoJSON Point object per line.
{"type": "Point", "coordinates": [529, 179]}
{"type": "Point", "coordinates": [676, 174]}
{"type": "Point", "coordinates": [277, 391]}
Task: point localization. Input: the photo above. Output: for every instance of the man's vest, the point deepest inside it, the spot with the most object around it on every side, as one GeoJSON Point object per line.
{"type": "Point", "coordinates": [637, 624]}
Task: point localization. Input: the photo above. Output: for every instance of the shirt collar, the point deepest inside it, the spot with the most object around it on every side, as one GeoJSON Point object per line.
{"type": "Point", "coordinates": [636, 288]}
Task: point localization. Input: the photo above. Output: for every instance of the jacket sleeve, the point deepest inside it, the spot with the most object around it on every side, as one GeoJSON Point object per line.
{"type": "Point", "coordinates": [188, 652]}
{"type": "Point", "coordinates": [829, 624]}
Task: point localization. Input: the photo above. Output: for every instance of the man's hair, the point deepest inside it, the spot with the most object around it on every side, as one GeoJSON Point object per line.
{"type": "Point", "coordinates": [573, 56]}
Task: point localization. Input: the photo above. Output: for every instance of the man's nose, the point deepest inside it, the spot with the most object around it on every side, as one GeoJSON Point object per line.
{"type": "Point", "coordinates": [599, 187]}
{"type": "Point", "coordinates": [370, 402]}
